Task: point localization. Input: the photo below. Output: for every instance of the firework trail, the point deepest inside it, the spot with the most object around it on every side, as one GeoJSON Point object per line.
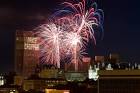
{"type": "Point", "coordinates": [80, 18]}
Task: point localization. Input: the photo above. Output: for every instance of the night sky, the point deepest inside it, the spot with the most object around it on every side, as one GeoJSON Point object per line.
{"type": "Point", "coordinates": [121, 26]}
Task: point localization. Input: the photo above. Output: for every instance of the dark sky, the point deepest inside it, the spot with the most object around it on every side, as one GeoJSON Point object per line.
{"type": "Point", "coordinates": [121, 26]}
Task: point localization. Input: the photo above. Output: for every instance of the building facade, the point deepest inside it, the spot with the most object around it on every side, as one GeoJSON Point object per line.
{"type": "Point", "coordinates": [119, 81]}
{"type": "Point", "coordinates": [26, 53]}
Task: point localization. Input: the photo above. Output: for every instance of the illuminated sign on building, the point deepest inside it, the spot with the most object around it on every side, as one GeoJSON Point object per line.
{"type": "Point", "coordinates": [30, 43]}
{"type": "Point", "coordinates": [31, 46]}
{"type": "Point", "coordinates": [31, 40]}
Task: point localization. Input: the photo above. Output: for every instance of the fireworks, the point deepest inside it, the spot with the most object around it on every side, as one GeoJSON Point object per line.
{"type": "Point", "coordinates": [81, 16]}
{"type": "Point", "coordinates": [50, 35]}
{"type": "Point", "coordinates": [70, 32]}
{"type": "Point", "coordinates": [56, 43]}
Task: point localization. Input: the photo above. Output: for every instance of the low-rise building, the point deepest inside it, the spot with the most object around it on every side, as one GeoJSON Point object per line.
{"type": "Point", "coordinates": [9, 89]}
{"type": "Point", "coordinates": [119, 81]}
{"type": "Point", "coordinates": [39, 84]}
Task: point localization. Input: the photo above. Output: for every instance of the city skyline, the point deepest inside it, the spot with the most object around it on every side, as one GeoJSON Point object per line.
{"type": "Point", "coordinates": [121, 27]}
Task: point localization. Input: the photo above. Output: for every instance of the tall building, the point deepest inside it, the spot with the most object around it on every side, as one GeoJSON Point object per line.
{"type": "Point", "coordinates": [26, 53]}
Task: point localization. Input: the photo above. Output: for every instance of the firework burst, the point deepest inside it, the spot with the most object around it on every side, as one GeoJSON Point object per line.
{"type": "Point", "coordinates": [51, 35]}
{"type": "Point", "coordinates": [80, 18]}
{"type": "Point", "coordinates": [81, 15]}
{"type": "Point", "coordinates": [70, 32]}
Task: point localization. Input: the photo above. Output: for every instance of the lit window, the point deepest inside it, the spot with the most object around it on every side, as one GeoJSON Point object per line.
{"type": "Point", "coordinates": [1, 80]}
{"type": "Point", "coordinates": [12, 91]}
